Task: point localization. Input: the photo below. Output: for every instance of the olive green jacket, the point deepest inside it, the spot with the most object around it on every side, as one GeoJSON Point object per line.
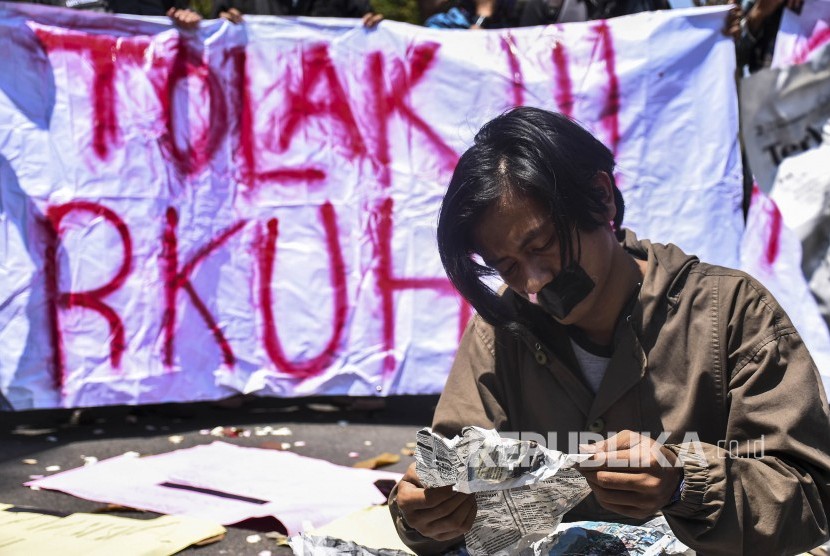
{"type": "Point", "coordinates": [702, 349]}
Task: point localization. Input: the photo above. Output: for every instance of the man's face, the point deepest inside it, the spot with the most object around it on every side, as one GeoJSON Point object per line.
{"type": "Point", "coordinates": [517, 237]}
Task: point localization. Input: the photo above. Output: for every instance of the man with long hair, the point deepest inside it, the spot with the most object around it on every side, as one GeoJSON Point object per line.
{"type": "Point", "coordinates": [600, 331]}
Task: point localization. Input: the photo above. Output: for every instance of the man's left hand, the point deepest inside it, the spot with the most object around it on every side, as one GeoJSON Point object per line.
{"type": "Point", "coordinates": [632, 474]}
{"type": "Point", "coordinates": [732, 24]}
{"type": "Point", "coordinates": [184, 18]}
{"type": "Point", "coordinates": [371, 20]}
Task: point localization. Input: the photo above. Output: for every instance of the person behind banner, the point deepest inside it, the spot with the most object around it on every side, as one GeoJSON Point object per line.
{"type": "Point", "coordinates": [498, 14]}
{"type": "Point", "coordinates": [234, 10]}
{"type": "Point", "coordinates": [691, 374]}
{"type": "Point", "coordinates": [179, 11]}
{"type": "Point", "coordinates": [755, 44]}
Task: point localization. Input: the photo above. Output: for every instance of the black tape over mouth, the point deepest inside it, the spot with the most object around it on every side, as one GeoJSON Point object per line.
{"type": "Point", "coordinates": [566, 291]}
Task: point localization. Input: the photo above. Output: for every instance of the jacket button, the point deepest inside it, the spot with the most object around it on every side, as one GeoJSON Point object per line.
{"type": "Point", "coordinates": [597, 425]}
{"type": "Point", "coordinates": [541, 358]}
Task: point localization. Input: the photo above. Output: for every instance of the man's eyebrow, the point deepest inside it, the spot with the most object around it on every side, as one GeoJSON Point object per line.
{"type": "Point", "coordinates": [526, 240]}
{"type": "Point", "coordinates": [530, 236]}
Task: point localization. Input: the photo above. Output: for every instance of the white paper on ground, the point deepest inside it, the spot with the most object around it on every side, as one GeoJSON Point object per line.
{"type": "Point", "coordinates": [292, 488]}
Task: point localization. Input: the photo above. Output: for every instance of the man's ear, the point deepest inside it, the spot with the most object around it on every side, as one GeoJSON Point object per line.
{"type": "Point", "coordinates": [604, 183]}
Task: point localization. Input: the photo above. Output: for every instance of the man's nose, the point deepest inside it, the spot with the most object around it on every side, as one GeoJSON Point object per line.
{"type": "Point", "coordinates": [536, 279]}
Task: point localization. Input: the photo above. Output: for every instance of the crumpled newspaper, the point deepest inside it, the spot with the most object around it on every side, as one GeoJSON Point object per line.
{"type": "Point", "coordinates": [522, 489]}
{"type": "Point", "coordinates": [482, 460]}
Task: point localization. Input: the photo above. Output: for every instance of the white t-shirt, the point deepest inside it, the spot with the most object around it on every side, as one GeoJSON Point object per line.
{"type": "Point", "coordinates": [593, 366]}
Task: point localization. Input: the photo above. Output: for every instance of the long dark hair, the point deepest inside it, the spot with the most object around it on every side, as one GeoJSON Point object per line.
{"type": "Point", "coordinates": [530, 152]}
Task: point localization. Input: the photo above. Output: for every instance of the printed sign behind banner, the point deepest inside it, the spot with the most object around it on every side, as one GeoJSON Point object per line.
{"type": "Point", "coordinates": [782, 112]}
{"type": "Point", "coordinates": [784, 108]}
{"type": "Point", "coordinates": [251, 208]}
{"type": "Point", "coordinates": [802, 192]}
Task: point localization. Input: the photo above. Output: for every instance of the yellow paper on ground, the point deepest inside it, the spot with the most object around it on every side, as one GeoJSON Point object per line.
{"type": "Point", "coordinates": [27, 533]}
{"type": "Point", "coordinates": [372, 528]}
{"type": "Point", "coordinates": [16, 527]}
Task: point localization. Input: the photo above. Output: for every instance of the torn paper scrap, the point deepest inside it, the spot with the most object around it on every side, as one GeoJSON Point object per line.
{"type": "Point", "coordinates": [381, 460]}
{"type": "Point", "coordinates": [227, 484]}
{"type": "Point", "coordinates": [521, 489]}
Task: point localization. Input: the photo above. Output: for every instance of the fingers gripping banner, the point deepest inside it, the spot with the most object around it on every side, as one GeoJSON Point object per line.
{"type": "Point", "coordinates": [252, 208]}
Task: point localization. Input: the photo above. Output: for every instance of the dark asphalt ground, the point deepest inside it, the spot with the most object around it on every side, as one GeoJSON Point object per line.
{"type": "Point", "coordinates": [330, 427]}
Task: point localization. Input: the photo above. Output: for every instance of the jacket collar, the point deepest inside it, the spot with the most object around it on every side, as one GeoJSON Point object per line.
{"type": "Point", "coordinates": [627, 366]}
{"type": "Point", "coordinates": [666, 272]}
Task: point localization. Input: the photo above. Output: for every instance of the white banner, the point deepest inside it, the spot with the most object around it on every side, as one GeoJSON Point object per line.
{"type": "Point", "coordinates": [771, 252]}
{"type": "Point", "coordinates": [252, 208]}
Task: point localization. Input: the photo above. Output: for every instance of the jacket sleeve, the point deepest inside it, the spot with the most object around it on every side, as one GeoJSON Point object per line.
{"type": "Point", "coordinates": [764, 488]}
{"type": "Point", "coordinates": [470, 397]}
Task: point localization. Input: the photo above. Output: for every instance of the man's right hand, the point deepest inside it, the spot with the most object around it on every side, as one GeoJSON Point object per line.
{"type": "Point", "coordinates": [233, 15]}
{"type": "Point", "coordinates": [437, 513]}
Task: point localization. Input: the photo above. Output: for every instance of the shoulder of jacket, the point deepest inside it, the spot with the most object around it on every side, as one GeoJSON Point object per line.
{"type": "Point", "coordinates": [736, 285]}
{"type": "Point", "coordinates": [751, 306]}
{"type": "Point", "coordinates": [751, 317]}
{"type": "Point", "coordinates": [484, 332]}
